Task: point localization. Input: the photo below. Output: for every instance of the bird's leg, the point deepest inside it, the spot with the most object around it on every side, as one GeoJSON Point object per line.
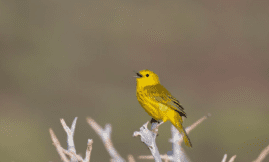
{"type": "Point", "coordinates": [153, 121]}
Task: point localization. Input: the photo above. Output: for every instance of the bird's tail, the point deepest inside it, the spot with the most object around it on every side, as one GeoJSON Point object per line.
{"type": "Point", "coordinates": [176, 120]}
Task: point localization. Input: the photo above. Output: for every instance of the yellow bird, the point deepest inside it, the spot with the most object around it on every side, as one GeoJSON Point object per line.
{"type": "Point", "coordinates": [158, 102]}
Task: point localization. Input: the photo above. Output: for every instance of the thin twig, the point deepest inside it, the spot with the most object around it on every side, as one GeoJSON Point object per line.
{"type": "Point", "coordinates": [58, 146]}
{"type": "Point", "coordinates": [105, 135]}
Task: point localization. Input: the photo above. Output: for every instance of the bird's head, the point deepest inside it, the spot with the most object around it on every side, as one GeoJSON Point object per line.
{"type": "Point", "coordinates": [146, 78]}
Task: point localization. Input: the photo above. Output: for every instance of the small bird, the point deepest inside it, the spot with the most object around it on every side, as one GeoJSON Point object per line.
{"type": "Point", "coordinates": [158, 102]}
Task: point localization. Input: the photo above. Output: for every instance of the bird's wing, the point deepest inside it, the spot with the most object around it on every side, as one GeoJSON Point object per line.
{"type": "Point", "coordinates": [162, 95]}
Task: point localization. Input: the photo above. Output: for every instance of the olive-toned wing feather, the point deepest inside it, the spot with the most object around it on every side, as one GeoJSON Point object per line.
{"type": "Point", "coordinates": [162, 95]}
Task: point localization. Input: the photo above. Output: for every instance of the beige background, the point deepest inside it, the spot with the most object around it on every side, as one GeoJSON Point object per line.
{"type": "Point", "coordinates": [64, 58]}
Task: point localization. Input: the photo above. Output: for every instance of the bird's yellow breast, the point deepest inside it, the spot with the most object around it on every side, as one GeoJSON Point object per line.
{"type": "Point", "coordinates": [151, 106]}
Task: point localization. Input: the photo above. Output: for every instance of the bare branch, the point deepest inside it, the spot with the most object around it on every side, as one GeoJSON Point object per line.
{"type": "Point", "coordinates": [71, 152]}
{"type": "Point", "coordinates": [232, 158]}
{"type": "Point", "coordinates": [263, 154]}
{"type": "Point", "coordinates": [70, 134]}
{"type": "Point", "coordinates": [224, 158]}
{"type": "Point", "coordinates": [58, 146]}
{"type": "Point", "coordinates": [131, 158]}
{"type": "Point", "coordinates": [105, 135]}
{"type": "Point", "coordinates": [88, 151]}
{"type": "Point", "coordinates": [149, 137]}
{"type": "Point", "coordinates": [188, 129]}
{"type": "Point", "coordinates": [178, 154]}
{"type": "Point", "coordinates": [164, 157]}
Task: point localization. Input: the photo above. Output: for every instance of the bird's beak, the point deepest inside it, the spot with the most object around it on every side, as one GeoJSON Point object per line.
{"type": "Point", "coordinates": [138, 75]}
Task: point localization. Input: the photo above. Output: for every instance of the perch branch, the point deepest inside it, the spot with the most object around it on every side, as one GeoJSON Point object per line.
{"type": "Point", "coordinates": [149, 137]}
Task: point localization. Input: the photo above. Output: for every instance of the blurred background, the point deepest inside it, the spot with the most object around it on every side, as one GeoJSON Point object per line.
{"type": "Point", "coordinates": [67, 59]}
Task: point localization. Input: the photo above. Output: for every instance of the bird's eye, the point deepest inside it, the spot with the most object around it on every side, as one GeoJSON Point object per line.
{"type": "Point", "coordinates": [147, 75]}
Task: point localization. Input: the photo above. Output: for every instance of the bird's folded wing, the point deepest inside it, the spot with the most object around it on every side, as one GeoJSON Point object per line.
{"type": "Point", "coordinates": [162, 95]}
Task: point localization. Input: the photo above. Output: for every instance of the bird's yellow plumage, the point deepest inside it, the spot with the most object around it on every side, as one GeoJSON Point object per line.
{"type": "Point", "coordinates": [158, 101]}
